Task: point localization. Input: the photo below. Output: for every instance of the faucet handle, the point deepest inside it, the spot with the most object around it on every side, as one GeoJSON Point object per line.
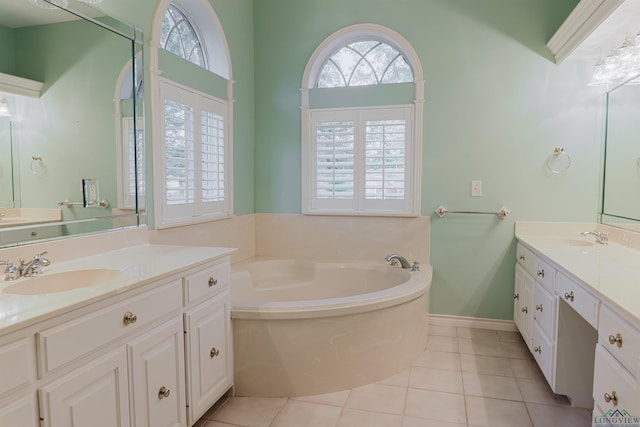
{"type": "Point", "coordinates": [11, 272]}
{"type": "Point", "coordinates": [415, 266]}
{"type": "Point", "coordinates": [43, 261]}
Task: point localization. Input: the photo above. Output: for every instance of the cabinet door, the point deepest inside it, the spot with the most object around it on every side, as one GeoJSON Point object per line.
{"type": "Point", "coordinates": [94, 395]}
{"type": "Point", "coordinates": [209, 354]}
{"type": "Point", "coordinates": [157, 370]}
{"type": "Point", "coordinates": [523, 305]}
{"type": "Point", "coordinates": [22, 412]}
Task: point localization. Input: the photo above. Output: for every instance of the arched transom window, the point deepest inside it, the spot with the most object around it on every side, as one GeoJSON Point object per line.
{"type": "Point", "coordinates": [364, 63]}
{"type": "Point", "coordinates": [180, 38]}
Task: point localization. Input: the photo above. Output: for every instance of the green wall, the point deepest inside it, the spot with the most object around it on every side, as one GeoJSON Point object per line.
{"type": "Point", "coordinates": [7, 59]}
{"type": "Point", "coordinates": [496, 105]}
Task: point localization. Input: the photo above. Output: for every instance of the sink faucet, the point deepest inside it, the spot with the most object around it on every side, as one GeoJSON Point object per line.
{"type": "Point", "coordinates": [601, 236]}
{"type": "Point", "coordinates": [394, 259]}
{"type": "Point", "coordinates": [11, 272]}
{"type": "Point", "coordinates": [34, 266]}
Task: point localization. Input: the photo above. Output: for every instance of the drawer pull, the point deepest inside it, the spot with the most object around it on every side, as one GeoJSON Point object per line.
{"type": "Point", "coordinates": [525, 310]}
{"type": "Point", "coordinates": [611, 398]}
{"type": "Point", "coordinates": [34, 234]}
{"type": "Point", "coordinates": [516, 296]}
{"type": "Point", "coordinates": [214, 352]}
{"type": "Point", "coordinates": [521, 257]}
{"type": "Point", "coordinates": [539, 307]}
{"type": "Point", "coordinates": [537, 349]}
{"type": "Point", "coordinates": [129, 318]}
{"type": "Point", "coordinates": [212, 281]}
{"type": "Point", "coordinates": [164, 392]}
{"type": "Point", "coordinates": [541, 273]}
{"type": "Point", "coordinates": [616, 340]}
{"type": "Point", "coordinates": [568, 296]}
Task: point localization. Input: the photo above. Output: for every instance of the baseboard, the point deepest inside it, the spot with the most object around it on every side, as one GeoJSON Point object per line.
{"type": "Point", "coordinates": [472, 322]}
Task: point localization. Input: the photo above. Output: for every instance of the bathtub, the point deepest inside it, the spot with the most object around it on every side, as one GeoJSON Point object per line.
{"type": "Point", "coordinates": [303, 327]}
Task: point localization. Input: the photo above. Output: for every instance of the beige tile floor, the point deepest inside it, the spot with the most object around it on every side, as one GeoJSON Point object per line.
{"type": "Point", "coordinates": [466, 377]}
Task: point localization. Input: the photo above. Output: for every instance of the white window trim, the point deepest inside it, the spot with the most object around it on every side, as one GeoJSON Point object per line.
{"type": "Point", "coordinates": [165, 215]}
{"type": "Point", "coordinates": [205, 14]}
{"type": "Point", "coordinates": [314, 65]}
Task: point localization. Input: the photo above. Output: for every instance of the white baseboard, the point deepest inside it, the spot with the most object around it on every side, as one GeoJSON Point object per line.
{"type": "Point", "coordinates": [472, 322]}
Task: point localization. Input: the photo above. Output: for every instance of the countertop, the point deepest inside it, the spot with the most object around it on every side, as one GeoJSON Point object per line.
{"type": "Point", "coordinates": [139, 265]}
{"type": "Point", "coordinates": [610, 272]}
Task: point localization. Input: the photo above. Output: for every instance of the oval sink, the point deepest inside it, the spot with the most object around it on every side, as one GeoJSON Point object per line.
{"type": "Point", "coordinates": [61, 282]}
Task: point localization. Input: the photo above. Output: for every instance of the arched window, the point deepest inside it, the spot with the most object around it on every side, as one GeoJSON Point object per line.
{"type": "Point", "coordinates": [193, 155]}
{"type": "Point", "coordinates": [180, 38]}
{"type": "Point", "coordinates": [362, 125]}
{"type": "Point", "coordinates": [363, 63]}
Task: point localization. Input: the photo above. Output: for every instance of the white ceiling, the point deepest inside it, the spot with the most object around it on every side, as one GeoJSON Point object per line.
{"type": "Point", "coordinates": [623, 22]}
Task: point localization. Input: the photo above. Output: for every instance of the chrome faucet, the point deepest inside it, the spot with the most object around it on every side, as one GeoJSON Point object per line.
{"type": "Point", "coordinates": [11, 272]}
{"type": "Point", "coordinates": [394, 259]}
{"type": "Point", "coordinates": [34, 266]}
{"type": "Point", "coordinates": [601, 237]}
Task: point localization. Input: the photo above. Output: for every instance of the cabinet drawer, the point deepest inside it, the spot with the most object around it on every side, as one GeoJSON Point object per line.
{"type": "Point", "coordinates": [543, 272]}
{"type": "Point", "coordinates": [612, 380]}
{"type": "Point", "coordinates": [585, 304]}
{"type": "Point", "coordinates": [17, 364]}
{"type": "Point", "coordinates": [25, 235]}
{"type": "Point", "coordinates": [64, 343]}
{"type": "Point", "coordinates": [544, 309]}
{"type": "Point", "coordinates": [208, 282]}
{"type": "Point", "coordinates": [621, 339]}
{"type": "Point", "coordinates": [544, 353]}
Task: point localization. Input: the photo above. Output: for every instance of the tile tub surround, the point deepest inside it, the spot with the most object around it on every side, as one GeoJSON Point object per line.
{"type": "Point", "coordinates": [342, 238]}
{"type": "Point", "coordinates": [454, 385]}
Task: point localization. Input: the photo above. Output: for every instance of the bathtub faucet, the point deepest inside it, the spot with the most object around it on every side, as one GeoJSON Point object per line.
{"type": "Point", "coordinates": [394, 259]}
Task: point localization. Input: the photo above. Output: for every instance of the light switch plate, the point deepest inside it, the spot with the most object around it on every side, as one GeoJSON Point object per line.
{"type": "Point", "coordinates": [476, 188]}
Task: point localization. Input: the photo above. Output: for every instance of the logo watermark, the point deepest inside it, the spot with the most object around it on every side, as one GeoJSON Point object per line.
{"type": "Point", "coordinates": [616, 417]}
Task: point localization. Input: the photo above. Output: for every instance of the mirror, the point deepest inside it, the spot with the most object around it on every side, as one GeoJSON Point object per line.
{"type": "Point", "coordinates": [71, 133]}
{"type": "Point", "coordinates": [621, 178]}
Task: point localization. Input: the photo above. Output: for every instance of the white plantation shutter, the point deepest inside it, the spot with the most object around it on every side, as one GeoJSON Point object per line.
{"type": "Point", "coordinates": [361, 161]}
{"type": "Point", "coordinates": [195, 175]}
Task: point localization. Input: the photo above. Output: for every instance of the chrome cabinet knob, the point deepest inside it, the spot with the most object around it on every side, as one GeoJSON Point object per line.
{"type": "Point", "coordinates": [163, 392]}
{"type": "Point", "coordinates": [521, 257]}
{"type": "Point", "coordinates": [516, 296]}
{"type": "Point", "coordinates": [568, 296]}
{"type": "Point", "coordinates": [537, 349]}
{"type": "Point", "coordinates": [617, 339]}
{"type": "Point", "coordinates": [214, 352]}
{"type": "Point", "coordinates": [525, 310]}
{"type": "Point", "coordinates": [212, 281]}
{"type": "Point", "coordinates": [539, 307]}
{"type": "Point", "coordinates": [611, 398]}
{"type": "Point", "coordinates": [541, 273]}
{"type": "Point", "coordinates": [129, 318]}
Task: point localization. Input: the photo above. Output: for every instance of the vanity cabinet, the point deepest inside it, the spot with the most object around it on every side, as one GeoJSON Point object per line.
{"type": "Point", "coordinates": [157, 355]}
{"type": "Point", "coordinates": [561, 342]}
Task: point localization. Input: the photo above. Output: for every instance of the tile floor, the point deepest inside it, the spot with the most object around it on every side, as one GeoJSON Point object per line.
{"type": "Point", "coordinates": [466, 377]}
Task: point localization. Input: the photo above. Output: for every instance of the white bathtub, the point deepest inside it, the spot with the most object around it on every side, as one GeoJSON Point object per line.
{"type": "Point", "coordinates": [304, 327]}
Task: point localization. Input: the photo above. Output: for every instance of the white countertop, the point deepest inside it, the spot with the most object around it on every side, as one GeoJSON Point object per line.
{"type": "Point", "coordinates": [139, 265]}
{"type": "Point", "coordinates": [611, 272]}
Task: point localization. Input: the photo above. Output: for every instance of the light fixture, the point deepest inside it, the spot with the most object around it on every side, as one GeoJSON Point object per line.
{"type": "Point", "coordinates": [620, 65]}
{"type": "Point", "coordinates": [50, 4]}
{"type": "Point", "coordinates": [4, 108]}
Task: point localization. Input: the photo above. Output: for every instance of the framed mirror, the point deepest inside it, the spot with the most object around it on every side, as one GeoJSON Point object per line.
{"type": "Point", "coordinates": [621, 170]}
{"type": "Point", "coordinates": [71, 117]}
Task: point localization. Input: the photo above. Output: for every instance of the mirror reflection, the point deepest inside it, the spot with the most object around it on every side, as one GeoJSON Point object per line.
{"type": "Point", "coordinates": [71, 149]}
{"type": "Point", "coordinates": [621, 198]}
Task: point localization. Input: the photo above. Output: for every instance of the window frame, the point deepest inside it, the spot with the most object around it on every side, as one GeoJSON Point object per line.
{"type": "Point", "coordinates": [330, 45]}
{"type": "Point", "coordinates": [176, 214]}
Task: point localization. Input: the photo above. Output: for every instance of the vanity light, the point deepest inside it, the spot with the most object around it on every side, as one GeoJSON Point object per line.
{"type": "Point", "coordinates": [4, 108]}
{"type": "Point", "coordinates": [620, 65]}
{"type": "Point", "coordinates": [51, 4]}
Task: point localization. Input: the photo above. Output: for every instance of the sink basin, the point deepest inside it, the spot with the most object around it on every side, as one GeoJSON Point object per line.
{"type": "Point", "coordinates": [61, 282]}
{"type": "Point", "coordinates": [566, 243]}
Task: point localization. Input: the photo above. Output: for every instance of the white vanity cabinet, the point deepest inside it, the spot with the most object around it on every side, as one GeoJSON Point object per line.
{"type": "Point", "coordinates": [155, 355]}
{"type": "Point", "coordinates": [560, 341]}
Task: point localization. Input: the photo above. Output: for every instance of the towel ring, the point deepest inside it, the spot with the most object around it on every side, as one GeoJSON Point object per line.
{"type": "Point", "coordinates": [558, 161]}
